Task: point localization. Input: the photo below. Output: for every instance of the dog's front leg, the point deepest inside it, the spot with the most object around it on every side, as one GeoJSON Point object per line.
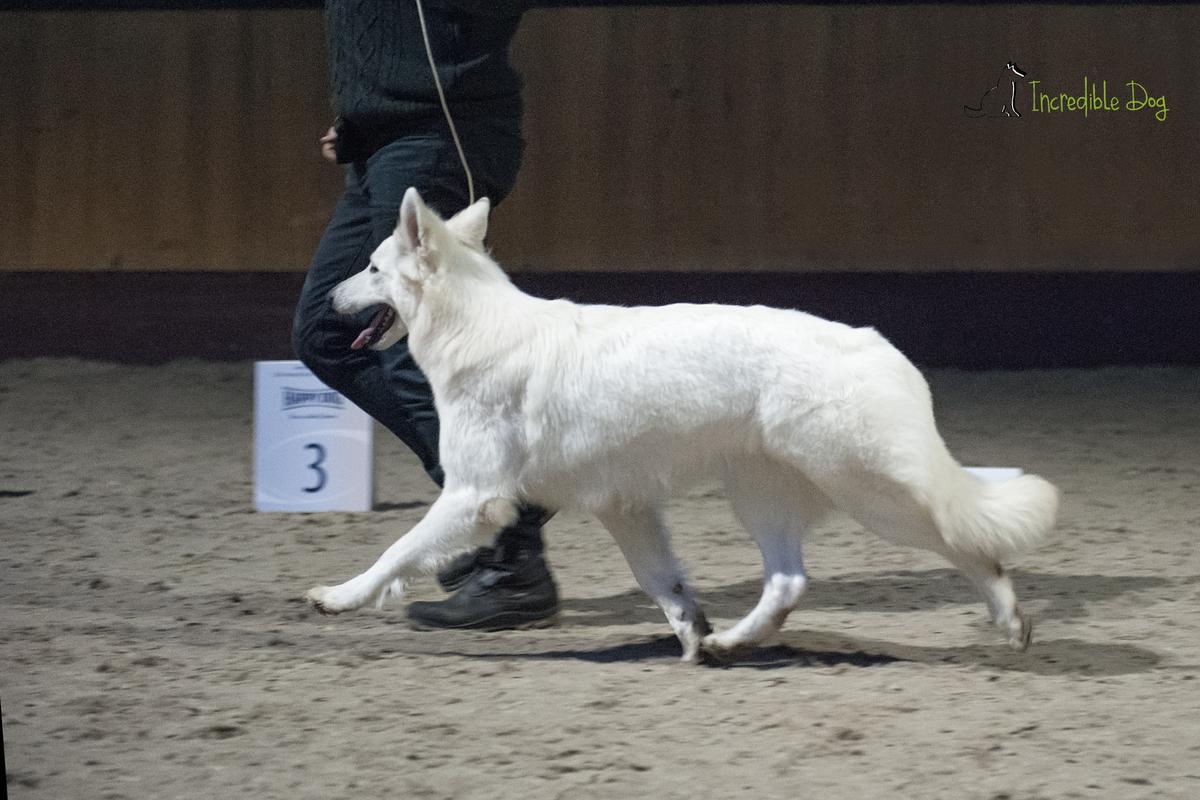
{"type": "Point", "coordinates": [446, 528]}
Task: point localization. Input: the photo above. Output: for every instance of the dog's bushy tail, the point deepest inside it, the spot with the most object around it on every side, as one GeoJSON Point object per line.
{"type": "Point", "coordinates": [997, 518]}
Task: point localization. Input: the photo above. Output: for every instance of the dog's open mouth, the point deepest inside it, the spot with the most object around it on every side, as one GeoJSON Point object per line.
{"type": "Point", "coordinates": [376, 328]}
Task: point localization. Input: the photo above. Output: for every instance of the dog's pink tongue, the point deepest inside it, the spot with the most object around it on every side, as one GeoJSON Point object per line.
{"type": "Point", "coordinates": [380, 322]}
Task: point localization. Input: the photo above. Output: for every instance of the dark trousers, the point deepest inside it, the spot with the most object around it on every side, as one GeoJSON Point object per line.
{"type": "Point", "coordinates": [388, 384]}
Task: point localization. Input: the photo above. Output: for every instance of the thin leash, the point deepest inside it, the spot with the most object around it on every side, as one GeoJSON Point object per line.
{"type": "Point", "coordinates": [462, 157]}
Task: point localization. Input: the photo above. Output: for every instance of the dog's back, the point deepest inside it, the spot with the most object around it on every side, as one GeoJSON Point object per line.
{"type": "Point", "coordinates": [636, 402]}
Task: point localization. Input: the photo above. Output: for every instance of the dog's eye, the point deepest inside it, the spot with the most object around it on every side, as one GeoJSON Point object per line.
{"type": "Point", "coordinates": [373, 269]}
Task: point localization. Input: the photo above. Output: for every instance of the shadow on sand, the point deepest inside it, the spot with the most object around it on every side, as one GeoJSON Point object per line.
{"type": "Point", "coordinates": [1059, 597]}
{"type": "Point", "coordinates": [824, 649]}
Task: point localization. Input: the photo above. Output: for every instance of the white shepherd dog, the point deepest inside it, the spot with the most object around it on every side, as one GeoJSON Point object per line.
{"type": "Point", "coordinates": [609, 410]}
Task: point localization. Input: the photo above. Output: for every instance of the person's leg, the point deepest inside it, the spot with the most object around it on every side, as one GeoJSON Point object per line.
{"type": "Point", "coordinates": [494, 152]}
{"type": "Point", "coordinates": [510, 582]}
{"type": "Point", "coordinates": [519, 541]}
{"type": "Point", "coordinates": [387, 385]}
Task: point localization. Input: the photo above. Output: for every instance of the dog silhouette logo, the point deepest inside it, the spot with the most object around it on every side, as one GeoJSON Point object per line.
{"type": "Point", "coordinates": [1001, 99]}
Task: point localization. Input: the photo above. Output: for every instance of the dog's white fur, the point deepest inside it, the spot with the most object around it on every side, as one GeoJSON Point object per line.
{"type": "Point", "coordinates": [609, 410]}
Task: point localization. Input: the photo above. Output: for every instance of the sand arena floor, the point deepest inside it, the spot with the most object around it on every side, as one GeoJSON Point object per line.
{"type": "Point", "coordinates": [153, 644]}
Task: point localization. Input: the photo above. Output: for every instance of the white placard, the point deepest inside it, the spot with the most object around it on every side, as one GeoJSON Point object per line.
{"type": "Point", "coordinates": [995, 473]}
{"type": "Point", "coordinates": [312, 446]}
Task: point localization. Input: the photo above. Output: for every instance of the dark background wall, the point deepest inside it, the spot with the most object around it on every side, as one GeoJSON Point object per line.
{"type": "Point", "coordinates": [779, 138]}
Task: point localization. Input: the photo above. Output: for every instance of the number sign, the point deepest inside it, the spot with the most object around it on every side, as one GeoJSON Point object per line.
{"type": "Point", "coordinates": [312, 446]}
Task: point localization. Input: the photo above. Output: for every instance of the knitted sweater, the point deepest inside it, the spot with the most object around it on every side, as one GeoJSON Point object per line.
{"type": "Point", "coordinates": [382, 84]}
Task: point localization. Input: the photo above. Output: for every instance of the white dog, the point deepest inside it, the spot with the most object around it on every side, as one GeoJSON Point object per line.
{"type": "Point", "coordinates": [609, 410]}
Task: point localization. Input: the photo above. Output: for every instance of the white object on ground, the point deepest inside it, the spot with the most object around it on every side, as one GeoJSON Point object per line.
{"type": "Point", "coordinates": [995, 473]}
{"type": "Point", "coordinates": [312, 446]}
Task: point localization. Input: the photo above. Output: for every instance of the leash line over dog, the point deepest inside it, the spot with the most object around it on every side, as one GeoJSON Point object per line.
{"type": "Point", "coordinates": [437, 82]}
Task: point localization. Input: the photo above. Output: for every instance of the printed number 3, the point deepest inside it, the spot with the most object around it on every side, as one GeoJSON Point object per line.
{"type": "Point", "coordinates": [315, 466]}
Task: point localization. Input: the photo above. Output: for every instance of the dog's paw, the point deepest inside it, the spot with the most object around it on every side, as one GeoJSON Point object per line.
{"type": "Point", "coordinates": [1020, 631]}
{"type": "Point", "coordinates": [718, 647]}
{"type": "Point", "coordinates": [691, 637]}
{"type": "Point", "coordinates": [692, 654]}
{"type": "Point", "coordinates": [324, 599]}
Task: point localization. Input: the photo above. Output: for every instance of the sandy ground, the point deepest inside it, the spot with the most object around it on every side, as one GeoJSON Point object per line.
{"type": "Point", "coordinates": [152, 642]}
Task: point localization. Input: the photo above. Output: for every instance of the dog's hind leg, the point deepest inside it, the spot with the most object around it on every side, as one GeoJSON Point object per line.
{"type": "Point", "coordinates": [989, 577]}
{"type": "Point", "coordinates": [642, 536]}
{"type": "Point", "coordinates": [901, 513]}
{"type": "Point", "coordinates": [448, 526]}
{"type": "Point", "coordinates": [776, 505]}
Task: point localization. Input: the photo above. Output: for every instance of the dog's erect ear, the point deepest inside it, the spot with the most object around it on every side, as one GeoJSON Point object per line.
{"type": "Point", "coordinates": [470, 224]}
{"type": "Point", "coordinates": [418, 226]}
{"type": "Point", "coordinates": [408, 226]}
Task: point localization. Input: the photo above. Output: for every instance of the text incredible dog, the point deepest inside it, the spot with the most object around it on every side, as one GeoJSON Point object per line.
{"type": "Point", "coordinates": [610, 410]}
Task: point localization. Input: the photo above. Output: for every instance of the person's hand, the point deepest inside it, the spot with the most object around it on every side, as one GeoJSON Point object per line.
{"type": "Point", "coordinates": [327, 145]}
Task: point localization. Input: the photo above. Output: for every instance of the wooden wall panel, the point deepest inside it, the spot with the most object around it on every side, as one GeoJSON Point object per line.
{"type": "Point", "coordinates": [720, 138]}
{"type": "Point", "coordinates": [167, 140]}
{"type": "Point", "coordinates": [834, 138]}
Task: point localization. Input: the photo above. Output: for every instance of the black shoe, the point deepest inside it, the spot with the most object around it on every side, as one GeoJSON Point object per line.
{"type": "Point", "coordinates": [496, 596]}
{"type": "Point", "coordinates": [523, 536]}
{"type": "Point", "coordinates": [459, 571]}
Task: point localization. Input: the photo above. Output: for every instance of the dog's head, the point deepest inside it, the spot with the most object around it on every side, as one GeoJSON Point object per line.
{"type": "Point", "coordinates": [405, 263]}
